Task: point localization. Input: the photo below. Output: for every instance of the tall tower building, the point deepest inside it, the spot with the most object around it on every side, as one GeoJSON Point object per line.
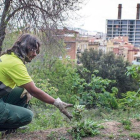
{"type": "Point", "coordinates": [125, 27]}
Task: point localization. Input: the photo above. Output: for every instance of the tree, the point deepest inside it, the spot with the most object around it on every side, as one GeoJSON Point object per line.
{"type": "Point", "coordinates": [34, 13]}
{"type": "Point", "coordinates": [110, 67]}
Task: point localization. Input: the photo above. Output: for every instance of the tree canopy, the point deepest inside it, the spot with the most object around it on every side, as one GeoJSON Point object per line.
{"type": "Point", "coordinates": [110, 67]}
{"type": "Point", "coordinates": [35, 13]}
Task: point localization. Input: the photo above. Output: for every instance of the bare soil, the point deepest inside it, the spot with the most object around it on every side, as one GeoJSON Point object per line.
{"type": "Point", "coordinates": [112, 130]}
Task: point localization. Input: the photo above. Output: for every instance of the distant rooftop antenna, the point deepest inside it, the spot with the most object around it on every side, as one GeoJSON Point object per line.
{"type": "Point", "coordinates": [119, 11]}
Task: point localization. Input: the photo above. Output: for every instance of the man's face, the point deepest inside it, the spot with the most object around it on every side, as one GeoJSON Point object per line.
{"type": "Point", "coordinates": [32, 54]}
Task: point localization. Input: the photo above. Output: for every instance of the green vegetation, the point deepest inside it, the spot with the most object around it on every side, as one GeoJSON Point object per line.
{"type": "Point", "coordinates": [47, 118]}
{"type": "Point", "coordinates": [96, 86]}
{"type": "Point", "coordinates": [135, 135]}
{"type": "Point", "coordinates": [82, 128]}
{"type": "Point", "coordinates": [55, 136]}
{"type": "Point", "coordinates": [111, 136]}
{"type": "Point", "coordinates": [109, 67]}
{"type": "Point", "coordinates": [127, 124]}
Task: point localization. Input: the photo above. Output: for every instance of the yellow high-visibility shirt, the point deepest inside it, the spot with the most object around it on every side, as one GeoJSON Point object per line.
{"type": "Point", "coordinates": [12, 72]}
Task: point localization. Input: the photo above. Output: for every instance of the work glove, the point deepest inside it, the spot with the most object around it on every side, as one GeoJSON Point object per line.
{"type": "Point", "coordinates": [62, 107]}
{"type": "Point", "coordinates": [27, 94]}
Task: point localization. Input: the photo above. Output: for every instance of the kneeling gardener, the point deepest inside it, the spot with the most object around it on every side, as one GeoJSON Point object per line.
{"type": "Point", "coordinates": [13, 72]}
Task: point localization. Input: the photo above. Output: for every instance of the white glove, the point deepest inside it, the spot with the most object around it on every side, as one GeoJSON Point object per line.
{"type": "Point", "coordinates": [62, 107]}
{"type": "Point", "coordinates": [26, 93]}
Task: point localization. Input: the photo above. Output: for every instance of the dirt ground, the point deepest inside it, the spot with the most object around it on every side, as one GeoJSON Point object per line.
{"type": "Point", "coordinates": [112, 130]}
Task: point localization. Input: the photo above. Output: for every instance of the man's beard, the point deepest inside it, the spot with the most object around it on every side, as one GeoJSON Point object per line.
{"type": "Point", "coordinates": [27, 59]}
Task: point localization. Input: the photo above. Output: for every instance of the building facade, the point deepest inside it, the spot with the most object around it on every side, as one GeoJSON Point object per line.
{"type": "Point", "coordinates": [130, 28]}
{"type": "Point", "coordinates": [121, 47]}
{"type": "Point", "coordinates": [125, 27]}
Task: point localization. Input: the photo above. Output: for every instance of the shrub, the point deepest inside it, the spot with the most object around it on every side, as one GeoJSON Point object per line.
{"type": "Point", "coordinates": [82, 128]}
{"type": "Point", "coordinates": [94, 94]}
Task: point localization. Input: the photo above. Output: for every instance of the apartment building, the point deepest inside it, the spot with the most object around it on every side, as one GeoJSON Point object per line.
{"type": "Point", "coordinates": [74, 43]}
{"type": "Point", "coordinates": [121, 47]}
{"type": "Point", "coordinates": [125, 27]}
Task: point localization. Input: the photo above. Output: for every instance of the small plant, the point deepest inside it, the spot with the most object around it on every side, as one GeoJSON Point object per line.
{"type": "Point", "coordinates": [82, 128]}
{"type": "Point", "coordinates": [52, 136]}
{"type": "Point", "coordinates": [138, 119]}
{"type": "Point", "coordinates": [120, 131]}
{"type": "Point", "coordinates": [127, 127]}
{"type": "Point", "coordinates": [127, 124]}
{"type": "Point", "coordinates": [137, 116]}
{"type": "Point", "coordinates": [111, 136]}
{"type": "Point", "coordinates": [135, 135]}
{"type": "Point", "coordinates": [63, 138]}
{"type": "Point", "coordinates": [77, 112]}
{"type": "Point", "coordinates": [102, 127]}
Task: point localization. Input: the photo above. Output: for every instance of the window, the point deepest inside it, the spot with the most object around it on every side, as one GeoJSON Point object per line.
{"type": "Point", "coordinates": [117, 32]}
{"type": "Point", "coordinates": [108, 32]}
{"type": "Point", "coordinates": [68, 47]}
{"type": "Point", "coordinates": [137, 37]}
{"type": "Point", "coordinates": [138, 40]}
{"type": "Point", "coordinates": [109, 26]}
{"type": "Point", "coordinates": [131, 30]}
{"type": "Point", "coordinates": [138, 59]}
{"type": "Point", "coordinates": [131, 37]}
{"type": "Point", "coordinates": [110, 21]}
{"type": "Point", "coordinates": [116, 22]}
{"type": "Point", "coordinates": [124, 30]}
{"type": "Point", "coordinates": [138, 26]}
{"type": "Point", "coordinates": [130, 33]}
{"type": "Point", "coordinates": [131, 26]}
{"type": "Point", "coordinates": [138, 22]}
{"type": "Point", "coordinates": [131, 40]}
{"type": "Point", "coordinates": [124, 26]}
{"type": "Point", "coordinates": [124, 21]}
{"type": "Point", "coordinates": [137, 33]}
{"type": "Point", "coordinates": [109, 36]}
{"type": "Point", "coordinates": [131, 22]}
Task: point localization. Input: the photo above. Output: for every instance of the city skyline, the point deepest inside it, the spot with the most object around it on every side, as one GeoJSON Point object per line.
{"type": "Point", "coordinates": [95, 13]}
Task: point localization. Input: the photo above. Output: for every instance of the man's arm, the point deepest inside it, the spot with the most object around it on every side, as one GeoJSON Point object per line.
{"type": "Point", "coordinates": [38, 93]}
{"type": "Point", "coordinates": [41, 95]}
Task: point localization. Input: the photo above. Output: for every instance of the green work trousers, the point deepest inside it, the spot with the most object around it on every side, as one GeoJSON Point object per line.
{"type": "Point", "coordinates": [13, 110]}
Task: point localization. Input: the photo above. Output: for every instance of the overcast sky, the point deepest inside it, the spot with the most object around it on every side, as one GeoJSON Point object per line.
{"type": "Point", "coordinates": [96, 12]}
